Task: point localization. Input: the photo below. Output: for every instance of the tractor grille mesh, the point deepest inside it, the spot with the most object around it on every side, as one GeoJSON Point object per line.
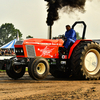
{"type": "Point", "coordinates": [30, 51]}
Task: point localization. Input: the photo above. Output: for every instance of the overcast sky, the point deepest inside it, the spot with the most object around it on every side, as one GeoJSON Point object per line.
{"type": "Point", "coordinates": [29, 16]}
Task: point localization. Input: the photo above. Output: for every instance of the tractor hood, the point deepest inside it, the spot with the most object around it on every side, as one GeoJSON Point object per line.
{"type": "Point", "coordinates": [33, 47]}
{"type": "Point", "coordinates": [49, 42]}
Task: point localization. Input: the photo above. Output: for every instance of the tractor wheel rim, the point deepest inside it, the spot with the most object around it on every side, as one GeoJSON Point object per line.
{"type": "Point", "coordinates": [17, 69]}
{"type": "Point", "coordinates": [91, 61]}
{"type": "Point", "coordinates": [40, 68]}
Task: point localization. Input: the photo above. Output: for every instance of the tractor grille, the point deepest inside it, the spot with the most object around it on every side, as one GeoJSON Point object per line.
{"type": "Point", "coordinates": [30, 51]}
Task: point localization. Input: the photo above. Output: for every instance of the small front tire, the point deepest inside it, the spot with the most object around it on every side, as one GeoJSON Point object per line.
{"type": "Point", "coordinates": [39, 68]}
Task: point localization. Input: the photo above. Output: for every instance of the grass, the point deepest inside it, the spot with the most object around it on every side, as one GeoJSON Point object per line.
{"type": "Point", "coordinates": [2, 70]}
{"type": "Point", "coordinates": [5, 70]}
{"type": "Point", "coordinates": [26, 69]}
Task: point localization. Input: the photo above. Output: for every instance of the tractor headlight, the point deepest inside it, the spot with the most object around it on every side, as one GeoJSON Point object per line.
{"type": "Point", "coordinates": [15, 51]}
{"type": "Point", "coordinates": [19, 51]}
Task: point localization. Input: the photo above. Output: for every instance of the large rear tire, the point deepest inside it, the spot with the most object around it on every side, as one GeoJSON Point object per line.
{"type": "Point", "coordinates": [85, 61]}
{"type": "Point", "coordinates": [38, 68]}
{"type": "Point", "coordinates": [14, 71]}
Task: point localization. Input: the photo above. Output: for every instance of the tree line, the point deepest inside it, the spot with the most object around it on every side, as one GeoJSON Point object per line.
{"type": "Point", "coordinates": [8, 32]}
{"type": "Point", "coordinates": [62, 36]}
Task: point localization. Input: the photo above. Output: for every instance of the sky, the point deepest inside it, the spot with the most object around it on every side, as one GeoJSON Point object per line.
{"type": "Point", "coordinates": [29, 16]}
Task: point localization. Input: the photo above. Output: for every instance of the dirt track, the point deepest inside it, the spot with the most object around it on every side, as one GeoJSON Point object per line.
{"type": "Point", "coordinates": [48, 89]}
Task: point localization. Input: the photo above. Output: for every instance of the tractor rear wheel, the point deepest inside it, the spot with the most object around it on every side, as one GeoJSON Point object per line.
{"type": "Point", "coordinates": [38, 68]}
{"type": "Point", "coordinates": [14, 71]}
{"type": "Point", "coordinates": [85, 61]}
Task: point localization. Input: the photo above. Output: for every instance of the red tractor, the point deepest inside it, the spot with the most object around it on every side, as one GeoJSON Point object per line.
{"type": "Point", "coordinates": [41, 56]}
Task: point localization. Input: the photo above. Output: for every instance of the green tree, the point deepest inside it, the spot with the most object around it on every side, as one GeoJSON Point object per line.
{"type": "Point", "coordinates": [29, 36]}
{"type": "Point", "coordinates": [78, 36]}
{"type": "Point", "coordinates": [8, 33]}
{"type": "Point", "coordinates": [62, 36]}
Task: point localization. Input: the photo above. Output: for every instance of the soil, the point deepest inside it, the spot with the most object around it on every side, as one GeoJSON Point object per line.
{"type": "Point", "coordinates": [48, 89]}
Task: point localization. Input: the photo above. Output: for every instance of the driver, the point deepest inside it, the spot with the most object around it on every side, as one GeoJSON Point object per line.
{"type": "Point", "coordinates": [70, 36]}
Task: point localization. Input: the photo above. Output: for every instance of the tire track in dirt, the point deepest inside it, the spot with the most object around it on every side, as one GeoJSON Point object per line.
{"type": "Point", "coordinates": [48, 89]}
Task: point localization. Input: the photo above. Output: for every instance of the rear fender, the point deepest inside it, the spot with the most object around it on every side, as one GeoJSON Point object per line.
{"type": "Point", "coordinates": [74, 45]}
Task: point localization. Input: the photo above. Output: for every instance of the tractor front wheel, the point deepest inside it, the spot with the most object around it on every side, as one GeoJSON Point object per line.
{"type": "Point", "coordinates": [38, 68]}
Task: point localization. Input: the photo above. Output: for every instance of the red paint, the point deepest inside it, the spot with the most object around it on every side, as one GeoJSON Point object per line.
{"type": "Point", "coordinates": [46, 48]}
{"type": "Point", "coordinates": [20, 56]}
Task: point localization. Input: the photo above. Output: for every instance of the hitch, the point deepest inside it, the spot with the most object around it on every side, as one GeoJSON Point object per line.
{"type": "Point", "coordinates": [13, 62]}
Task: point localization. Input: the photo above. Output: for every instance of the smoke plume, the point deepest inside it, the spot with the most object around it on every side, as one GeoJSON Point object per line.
{"type": "Point", "coordinates": [55, 5]}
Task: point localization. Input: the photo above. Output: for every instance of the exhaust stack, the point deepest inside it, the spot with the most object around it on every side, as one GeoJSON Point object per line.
{"type": "Point", "coordinates": [50, 32]}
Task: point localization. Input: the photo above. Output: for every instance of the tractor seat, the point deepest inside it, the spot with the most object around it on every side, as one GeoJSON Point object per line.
{"type": "Point", "coordinates": [64, 51]}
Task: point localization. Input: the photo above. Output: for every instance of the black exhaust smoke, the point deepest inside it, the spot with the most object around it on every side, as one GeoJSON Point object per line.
{"type": "Point", "coordinates": [55, 5]}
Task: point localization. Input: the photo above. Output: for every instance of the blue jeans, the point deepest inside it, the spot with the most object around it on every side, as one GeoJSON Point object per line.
{"type": "Point", "coordinates": [68, 43]}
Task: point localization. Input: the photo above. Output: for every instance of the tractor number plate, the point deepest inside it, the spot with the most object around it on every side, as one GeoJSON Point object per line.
{"type": "Point", "coordinates": [63, 62]}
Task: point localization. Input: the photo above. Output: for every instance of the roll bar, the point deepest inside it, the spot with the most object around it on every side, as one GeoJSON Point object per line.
{"type": "Point", "coordinates": [84, 29]}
